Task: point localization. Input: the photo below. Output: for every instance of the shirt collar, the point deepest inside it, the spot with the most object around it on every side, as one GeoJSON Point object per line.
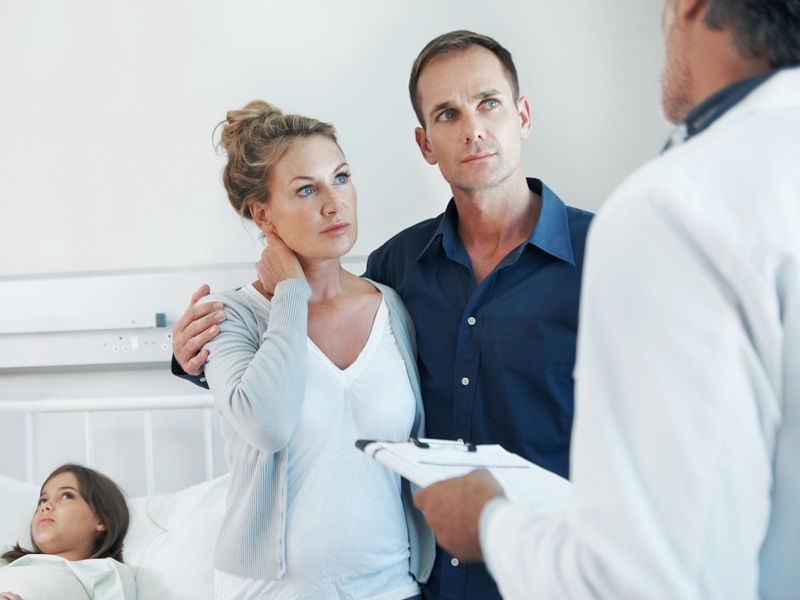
{"type": "Point", "coordinates": [712, 108]}
{"type": "Point", "coordinates": [550, 235]}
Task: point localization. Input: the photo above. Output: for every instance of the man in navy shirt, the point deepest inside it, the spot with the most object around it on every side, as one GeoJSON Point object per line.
{"type": "Point", "coordinates": [492, 283]}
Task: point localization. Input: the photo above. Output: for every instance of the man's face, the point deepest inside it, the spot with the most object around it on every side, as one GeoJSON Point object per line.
{"type": "Point", "coordinates": [474, 128]}
{"type": "Point", "coordinates": [676, 79]}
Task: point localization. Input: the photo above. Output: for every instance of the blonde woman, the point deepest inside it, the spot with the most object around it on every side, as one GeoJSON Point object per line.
{"type": "Point", "coordinates": [308, 359]}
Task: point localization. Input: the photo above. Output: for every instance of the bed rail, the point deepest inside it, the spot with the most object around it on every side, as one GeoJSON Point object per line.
{"type": "Point", "coordinates": [89, 406]}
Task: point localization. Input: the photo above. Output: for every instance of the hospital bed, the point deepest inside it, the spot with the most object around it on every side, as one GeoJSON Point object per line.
{"type": "Point", "coordinates": [170, 541]}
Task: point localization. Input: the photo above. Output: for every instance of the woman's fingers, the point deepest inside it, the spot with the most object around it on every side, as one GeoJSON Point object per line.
{"type": "Point", "coordinates": [277, 263]}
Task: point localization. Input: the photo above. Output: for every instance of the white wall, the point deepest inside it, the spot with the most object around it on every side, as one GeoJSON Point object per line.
{"type": "Point", "coordinates": [106, 162]}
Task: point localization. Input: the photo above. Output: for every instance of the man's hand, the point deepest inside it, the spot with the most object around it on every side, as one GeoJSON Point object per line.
{"type": "Point", "coordinates": [277, 263]}
{"type": "Point", "coordinates": [197, 326]}
{"type": "Point", "coordinates": [453, 509]}
{"type": "Point", "coordinates": [9, 596]}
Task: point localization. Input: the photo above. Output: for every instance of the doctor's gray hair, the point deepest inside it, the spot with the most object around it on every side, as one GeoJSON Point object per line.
{"type": "Point", "coordinates": [760, 28]}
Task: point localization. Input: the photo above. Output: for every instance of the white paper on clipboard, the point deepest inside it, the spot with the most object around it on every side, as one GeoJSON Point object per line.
{"type": "Point", "coordinates": [523, 481]}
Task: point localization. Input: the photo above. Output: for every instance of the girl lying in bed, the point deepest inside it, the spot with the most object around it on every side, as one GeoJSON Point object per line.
{"type": "Point", "coordinates": [77, 532]}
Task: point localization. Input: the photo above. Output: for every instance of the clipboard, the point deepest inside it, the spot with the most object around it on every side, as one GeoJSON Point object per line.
{"type": "Point", "coordinates": [425, 461]}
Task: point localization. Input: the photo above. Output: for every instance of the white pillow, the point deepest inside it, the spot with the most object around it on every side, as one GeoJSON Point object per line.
{"type": "Point", "coordinates": [17, 505]}
{"type": "Point", "coordinates": [170, 542]}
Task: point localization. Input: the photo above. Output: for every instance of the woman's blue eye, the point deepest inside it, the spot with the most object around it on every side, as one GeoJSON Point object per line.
{"type": "Point", "coordinates": [342, 177]}
{"type": "Point", "coordinates": [306, 190]}
{"type": "Point", "coordinates": [69, 495]}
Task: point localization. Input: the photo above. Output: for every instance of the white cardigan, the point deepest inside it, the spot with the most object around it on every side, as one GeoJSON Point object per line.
{"type": "Point", "coordinates": [256, 372]}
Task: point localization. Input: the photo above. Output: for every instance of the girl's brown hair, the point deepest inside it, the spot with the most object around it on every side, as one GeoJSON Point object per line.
{"type": "Point", "coordinates": [106, 501]}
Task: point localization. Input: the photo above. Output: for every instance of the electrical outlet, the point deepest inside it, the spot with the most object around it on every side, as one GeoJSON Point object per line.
{"type": "Point", "coordinates": [80, 348]}
{"type": "Point", "coordinates": [139, 344]}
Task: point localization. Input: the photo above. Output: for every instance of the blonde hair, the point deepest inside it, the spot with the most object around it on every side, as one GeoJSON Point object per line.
{"type": "Point", "coordinates": [254, 138]}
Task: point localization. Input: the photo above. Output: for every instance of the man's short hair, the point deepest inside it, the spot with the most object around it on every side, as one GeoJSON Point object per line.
{"type": "Point", "coordinates": [760, 28]}
{"type": "Point", "coordinates": [456, 41]}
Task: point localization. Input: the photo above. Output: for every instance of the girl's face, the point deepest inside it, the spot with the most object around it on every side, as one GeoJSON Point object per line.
{"type": "Point", "coordinates": [64, 524]}
{"type": "Point", "coordinates": [312, 203]}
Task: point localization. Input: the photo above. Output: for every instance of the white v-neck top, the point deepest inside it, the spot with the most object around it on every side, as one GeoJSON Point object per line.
{"type": "Point", "coordinates": [336, 547]}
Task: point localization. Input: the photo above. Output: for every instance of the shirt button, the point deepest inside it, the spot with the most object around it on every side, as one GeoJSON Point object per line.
{"type": "Point", "coordinates": [465, 381]}
{"type": "Point", "coordinates": [454, 561]}
{"type": "Point", "coordinates": [202, 380]}
{"type": "Point", "coordinates": [471, 320]}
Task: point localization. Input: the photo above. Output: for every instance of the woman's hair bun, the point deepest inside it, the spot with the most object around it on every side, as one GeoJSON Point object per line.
{"type": "Point", "coordinates": [239, 126]}
{"type": "Point", "coordinates": [257, 109]}
{"type": "Point", "coordinates": [254, 138]}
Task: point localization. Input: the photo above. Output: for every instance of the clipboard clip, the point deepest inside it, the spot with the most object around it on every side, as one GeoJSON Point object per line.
{"type": "Point", "coordinates": [463, 446]}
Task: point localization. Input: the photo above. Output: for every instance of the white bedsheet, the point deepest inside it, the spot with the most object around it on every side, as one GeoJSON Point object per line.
{"type": "Point", "coordinates": [42, 583]}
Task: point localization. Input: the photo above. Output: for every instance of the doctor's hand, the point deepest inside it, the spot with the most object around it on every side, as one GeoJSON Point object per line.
{"type": "Point", "coordinates": [453, 509]}
{"type": "Point", "coordinates": [278, 262]}
{"type": "Point", "coordinates": [9, 596]}
{"type": "Point", "coordinates": [197, 326]}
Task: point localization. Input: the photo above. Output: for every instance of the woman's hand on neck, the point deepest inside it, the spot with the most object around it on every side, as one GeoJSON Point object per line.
{"type": "Point", "coordinates": [277, 263]}
{"type": "Point", "coordinates": [326, 277]}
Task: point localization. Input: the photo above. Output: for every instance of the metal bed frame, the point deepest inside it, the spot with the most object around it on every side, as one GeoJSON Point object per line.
{"type": "Point", "coordinates": [88, 406]}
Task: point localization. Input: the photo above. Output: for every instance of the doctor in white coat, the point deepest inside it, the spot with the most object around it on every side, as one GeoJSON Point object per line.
{"type": "Point", "coordinates": [686, 445]}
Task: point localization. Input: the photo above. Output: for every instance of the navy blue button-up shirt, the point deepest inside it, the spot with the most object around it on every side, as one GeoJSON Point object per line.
{"type": "Point", "coordinates": [495, 359]}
